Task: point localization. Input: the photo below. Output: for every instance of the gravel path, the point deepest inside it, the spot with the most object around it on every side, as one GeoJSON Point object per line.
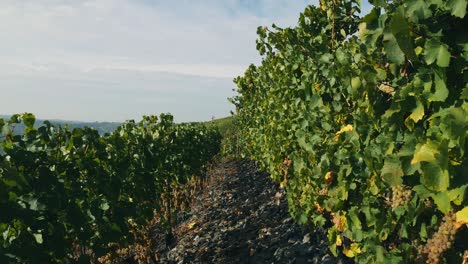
{"type": "Point", "coordinates": [242, 217]}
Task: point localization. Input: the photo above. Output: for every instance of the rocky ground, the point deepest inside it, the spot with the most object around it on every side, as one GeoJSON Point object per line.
{"type": "Point", "coordinates": [242, 217]}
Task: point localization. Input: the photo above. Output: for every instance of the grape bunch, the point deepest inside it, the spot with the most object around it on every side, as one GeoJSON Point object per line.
{"type": "Point", "coordinates": [400, 196]}
{"type": "Point", "coordinates": [441, 240]}
{"type": "Point", "coordinates": [287, 163]}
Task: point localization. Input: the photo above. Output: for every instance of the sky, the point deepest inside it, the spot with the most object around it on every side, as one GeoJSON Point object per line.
{"type": "Point", "coordinates": [115, 60]}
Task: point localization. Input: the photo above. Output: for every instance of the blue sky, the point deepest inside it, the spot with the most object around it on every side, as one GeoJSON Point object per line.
{"type": "Point", "coordinates": [113, 60]}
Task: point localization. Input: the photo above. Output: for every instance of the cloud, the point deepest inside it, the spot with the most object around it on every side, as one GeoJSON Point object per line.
{"type": "Point", "coordinates": [164, 32]}
{"type": "Point", "coordinates": [158, 33]}
{"type": "Point", "coordinates": [61, 58]}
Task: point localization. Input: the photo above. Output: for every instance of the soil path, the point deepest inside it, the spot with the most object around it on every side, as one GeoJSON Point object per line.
{"type": "Point", "coordinates": [242, 217]}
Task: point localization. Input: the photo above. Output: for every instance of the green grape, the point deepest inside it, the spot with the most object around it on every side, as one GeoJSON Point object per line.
{"type": "Point", "coordinates": [400, 196]}
{"type": "Point", "coordinates": [441, 240]}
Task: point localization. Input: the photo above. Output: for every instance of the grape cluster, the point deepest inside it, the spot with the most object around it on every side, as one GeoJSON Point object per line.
{"type": "Point", "coordinates": [287, 162]}
{"type": "Point", "coordinates": [441, 240]}
{"type": "Point", "coordinates": [400, 196]}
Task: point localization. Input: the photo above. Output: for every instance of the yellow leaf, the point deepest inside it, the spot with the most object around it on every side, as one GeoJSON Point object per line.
{"type": "Point", "coordinates": [355, 248]}
{"type": "Point", "coordinates": [342, 226]}
{"type": "Point", "coordinates": [340, 221]}
{"type": "Point", "coordinates": [347, 128]}
{"type": "Point", "coordinates": [317, 87]}
{"type": "Point", "coordinates": [323, 5]}
{"type": "Point", "coordinates": [352, 251]}
{"type": "Point", "coordinates": [338, 242]}
{"type": "Point", "coordinates": [462, 216]}
{"type": "Point", "coordinates": [318, 207]}
{"type": "Point", "coordinates": [425, 152]}
{"type": "Point", "coordinates": [191, 225]}
{"type": "Point", "coordinates": [348, 252]}
{"type": "Point", "coordinates": [329, 176]}
{"type": "Point", "coordinates": [416, 115]}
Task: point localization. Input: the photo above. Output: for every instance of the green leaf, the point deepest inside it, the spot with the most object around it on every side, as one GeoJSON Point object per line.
{"type": "Point", "coordinates": [423, 231]}
{"type": "Point", "coordinates": [441, 92]}
{"type": "Point", "coordinates": [6, 233]}
{"type": "Point", "coordinates": [400, 29]}
{"type": "Point", "coordinates": [458, 7]}
{"type": "Point", "coordinates": [353, 216]}
{"type": "Point", "coordinates": [371, 27]}
{"type": "Point", "coordinates": [38, 238]}
{"type": "Point", "coordinates": [442, 201]}
{"type": "Point", "coordinates": [379, 254]}
{"type": "Point", "coordinates": [355, 83]}
{"type": "Point", "coordinates": [434, 177]}
{"type": "Point", "coordinates": [392, 171]}
{"type": "Point", "coordinates": [464, 95]}
{"type": "Point", "coordinates": [435, 51]}
{"type": "Point", "coordinates": [418, 9]}
{"type": "Point", "coordinates": [302, 142]}
{"type": "Point", "coordinates": [418, 50]}
{"type": "Point", "coordinates": [394, 53]}
{"type": "Point", "coordinates": [298, 165]}
{"type": "Point", "coordinates": [326, 58]}
{"type": "Point", "coordinates": [422, 191]}
{"type": "Point", "coordinates": [457, 123]}
{"type": "Point", "coordinates": [371, 215]}
{"type": "Point", "coordinates": [303, 219]}
{"type": "Point", "coordinates": [457, 195]}
{"type": "Point", "coordinates": [29, 120]}
{"type": "Point", "coordinates": [341, 56]}
{"type": "Point", "coordinates": [376, 3]}
{"type": "Point", "coordinates": [104, 206]}
{"type": "Point", "coordinates": [14, 119]}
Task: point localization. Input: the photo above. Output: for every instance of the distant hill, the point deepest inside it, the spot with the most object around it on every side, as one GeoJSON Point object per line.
{"type": "Point", "coordinates": [101, 127]}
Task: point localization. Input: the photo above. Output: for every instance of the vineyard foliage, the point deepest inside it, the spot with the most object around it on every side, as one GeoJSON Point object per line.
{"type": "Point", "coordinates": [228, 127]}
{"type": "Point", "coordinates": [69, 196]}
{"type": "Point", "coordinates": [364, 122]}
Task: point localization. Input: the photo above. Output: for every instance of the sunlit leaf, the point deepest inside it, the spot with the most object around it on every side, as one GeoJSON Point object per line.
{"type": "Point", "coordinates": [458, 7]}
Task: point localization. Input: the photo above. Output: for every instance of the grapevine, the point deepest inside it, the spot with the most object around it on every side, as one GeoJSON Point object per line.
{"type": "Point", "coordinates": [373, 112]}
{"type": "Point", "coordinates": [75, 196]}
